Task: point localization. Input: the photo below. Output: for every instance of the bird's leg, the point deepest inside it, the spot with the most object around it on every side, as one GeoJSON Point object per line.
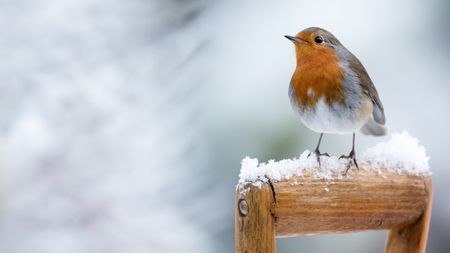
{"type": "Point", "coordinates": [317, 152]}
{"type": "Point", "coordinates": [351, 156]}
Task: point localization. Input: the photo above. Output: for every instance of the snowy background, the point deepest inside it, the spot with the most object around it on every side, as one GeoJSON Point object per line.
{"type": "Point", "coordinates": [123, 123]}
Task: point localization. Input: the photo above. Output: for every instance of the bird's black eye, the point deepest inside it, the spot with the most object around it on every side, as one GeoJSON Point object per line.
{"type": "Point", "coordinates": [318, 39]}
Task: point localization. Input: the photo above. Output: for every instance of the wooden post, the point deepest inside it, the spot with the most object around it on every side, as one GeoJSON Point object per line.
{"type": "Point", "coordinates": [362, 200]}
{"type": "Point", "coordinates": [254, 223]}
{"type": "Point", "coordinates": [412, 238]}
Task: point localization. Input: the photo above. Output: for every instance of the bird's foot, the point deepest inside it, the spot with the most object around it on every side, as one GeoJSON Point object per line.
{"type": "Point", "coordinates": [352, 158]}
{"type": "Point", "coordinates": [318, 155]}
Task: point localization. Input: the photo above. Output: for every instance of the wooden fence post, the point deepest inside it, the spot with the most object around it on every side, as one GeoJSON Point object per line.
{"type": "Point", "coordinates": [362, 200]}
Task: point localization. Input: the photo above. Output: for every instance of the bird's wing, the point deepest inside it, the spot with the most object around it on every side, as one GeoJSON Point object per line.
{"type": "Point", "coordinates": [369, 89]}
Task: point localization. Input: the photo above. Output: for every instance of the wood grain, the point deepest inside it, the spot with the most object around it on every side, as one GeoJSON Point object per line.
{"type": "Point", "coordinates": [254, 223]}
{"type": "Point", "coordinates": [412, 238]}
{"type": "Point", "coordinates": [361, 201]}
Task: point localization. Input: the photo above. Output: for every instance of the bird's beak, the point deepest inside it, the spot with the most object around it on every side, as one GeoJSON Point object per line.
{"type": "Point", "coordinates": [294, 39]}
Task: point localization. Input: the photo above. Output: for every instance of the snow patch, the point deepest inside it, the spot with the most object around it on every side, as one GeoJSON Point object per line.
{"type": "Point", "coordinates": [253, 171]}
{"type": "Point", "coordinates": [401, 154]}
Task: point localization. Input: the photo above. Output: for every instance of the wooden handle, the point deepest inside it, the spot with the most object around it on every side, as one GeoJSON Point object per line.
{"type": "Point", "coordinates": [254, 222]}
{"type": "Point", "coordinates": [362, 200]}
{"type": "Point", "coordinates": [412, 238]}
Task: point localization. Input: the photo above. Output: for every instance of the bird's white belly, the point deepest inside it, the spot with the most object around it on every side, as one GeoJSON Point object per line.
{"type": "Point", "coordinates": [337, 119]}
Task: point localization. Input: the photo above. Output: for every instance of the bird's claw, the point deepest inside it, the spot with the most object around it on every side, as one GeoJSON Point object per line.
{"type": "Point", "coordinates": [318, 155]}
{"type": "Point", "coordinates": [352, 158]}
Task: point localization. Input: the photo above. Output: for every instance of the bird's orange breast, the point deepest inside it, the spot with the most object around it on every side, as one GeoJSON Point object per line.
{"type": "Point", "coordinates": [317, 75]}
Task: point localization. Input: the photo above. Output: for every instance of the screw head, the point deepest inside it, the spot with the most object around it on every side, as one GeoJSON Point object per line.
{"type": "Point", "coordinates": [243, 208]}
{"type": "Point", "coordinates": [378, 222]}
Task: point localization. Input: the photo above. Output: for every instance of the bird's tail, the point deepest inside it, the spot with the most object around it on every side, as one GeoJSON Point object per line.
{"type": "Point", "coordinates": [373, 128]}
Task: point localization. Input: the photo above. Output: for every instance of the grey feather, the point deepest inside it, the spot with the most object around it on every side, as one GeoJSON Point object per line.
{"type": "Point", "coordinates": [369, 89]}
{"type": "Point", "coordinates": [378, 114]}
{"type": "Point", "coordinates": [373, 128]}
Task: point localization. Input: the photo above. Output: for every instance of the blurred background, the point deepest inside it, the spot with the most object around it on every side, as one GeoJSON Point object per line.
{"type": "Point", "coordinates": [123, 123]}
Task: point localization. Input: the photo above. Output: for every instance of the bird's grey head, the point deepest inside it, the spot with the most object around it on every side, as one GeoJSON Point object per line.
{"type": "Point", "coordinates": [315, 35]}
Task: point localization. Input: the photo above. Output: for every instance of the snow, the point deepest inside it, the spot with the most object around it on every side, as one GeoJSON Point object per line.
{"type": "Point", "coordinates": [401, 154]}
{"type": "Point", "coordinates": [253, 171]}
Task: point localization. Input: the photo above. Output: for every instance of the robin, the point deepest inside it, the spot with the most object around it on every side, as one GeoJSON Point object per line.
{"type": "Point", "coordinates": [331, 90]}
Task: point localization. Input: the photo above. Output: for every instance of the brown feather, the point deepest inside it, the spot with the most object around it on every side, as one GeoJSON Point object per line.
{"type": "Point", "coordinates": [317, 70]}
{"type": "Point", "coordinates": [367, 86]}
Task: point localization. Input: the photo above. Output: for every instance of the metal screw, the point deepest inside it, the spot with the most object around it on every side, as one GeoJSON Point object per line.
{"type": "Point", "coordinates": [243, 207]}
{"type": "Point", "coordinates": [379, 222]}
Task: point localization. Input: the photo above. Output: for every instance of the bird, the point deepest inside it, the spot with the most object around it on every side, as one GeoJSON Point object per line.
{"type": "Point", "coordinates": [331, 90]}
